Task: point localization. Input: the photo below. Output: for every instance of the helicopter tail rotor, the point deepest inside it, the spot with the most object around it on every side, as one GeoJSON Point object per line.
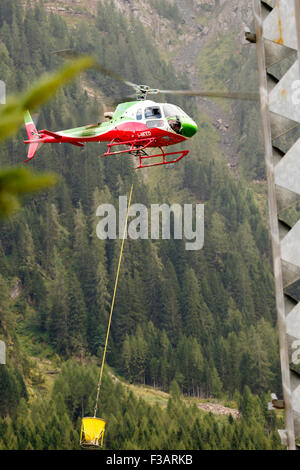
{"type": "Point", "coordinates": [33, 136]}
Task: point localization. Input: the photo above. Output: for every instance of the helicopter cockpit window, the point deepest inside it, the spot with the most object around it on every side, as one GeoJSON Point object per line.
{"type": "Point", "coordinates": [181, 112]}
{"type": "Point", "coordinates": [172, 114]}
{"type": "Point", "coordinates": [153, 113]}
{"type": "Point", "coordinates": [139, 114]}
{"type": "Point", "coordinates": [171, 110]}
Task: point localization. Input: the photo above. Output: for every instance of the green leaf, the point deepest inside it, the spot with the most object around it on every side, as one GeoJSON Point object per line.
{"type": "Point", "coordinates": [12, 114]}
{"type": "Point", "coordinates": [15, 183]}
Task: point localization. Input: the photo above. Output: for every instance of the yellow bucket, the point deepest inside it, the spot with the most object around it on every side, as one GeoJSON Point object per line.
{"type": "Point", "coordinates": [92, 432]}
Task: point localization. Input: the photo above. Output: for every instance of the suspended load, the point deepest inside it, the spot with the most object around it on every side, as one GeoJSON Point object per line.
{"type": "Point", "coordinates": [92, 432]}
{"type": "Point", "coordinates": [92, 429]}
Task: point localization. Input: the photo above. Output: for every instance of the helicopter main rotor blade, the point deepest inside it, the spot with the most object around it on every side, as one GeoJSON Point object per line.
{"type": "Point", "coordinates": [214, 94]}
{"type": "Point", "coordinates": [71, 54]}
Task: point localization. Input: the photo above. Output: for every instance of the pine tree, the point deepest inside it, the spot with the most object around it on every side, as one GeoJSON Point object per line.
{"type": "Point", "coordinates": [59, 308]}
{"type": "Point", "coordinates": [77, 316]}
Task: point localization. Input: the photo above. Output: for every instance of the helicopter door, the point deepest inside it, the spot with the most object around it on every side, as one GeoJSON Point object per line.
{"type": "Point", "coordinates": [153, 117]}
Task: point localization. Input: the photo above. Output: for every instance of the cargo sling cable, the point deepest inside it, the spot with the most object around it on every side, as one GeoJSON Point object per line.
{"type": "Point", "coordinates": [112, 306]}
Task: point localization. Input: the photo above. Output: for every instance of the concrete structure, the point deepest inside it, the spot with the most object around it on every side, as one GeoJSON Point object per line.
{"type": "Point", "coordinates": [278, 49]}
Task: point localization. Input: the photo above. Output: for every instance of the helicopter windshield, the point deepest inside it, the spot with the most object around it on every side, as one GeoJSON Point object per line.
{"type": "Point", "coordinates": [171, 110]}
{"type": "Point", "coordinates": [153, 113]}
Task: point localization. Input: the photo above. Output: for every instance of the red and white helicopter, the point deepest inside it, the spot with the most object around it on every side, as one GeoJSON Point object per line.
{"type": "Point", "coordinates": [136, 126]}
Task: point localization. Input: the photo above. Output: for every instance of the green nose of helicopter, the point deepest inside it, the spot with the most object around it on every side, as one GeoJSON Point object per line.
{"type": "Point", "coordinates": [188, 128]}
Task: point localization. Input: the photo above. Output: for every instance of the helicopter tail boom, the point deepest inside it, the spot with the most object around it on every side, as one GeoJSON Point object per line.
{"type": "Point", "coordinates": [37, 138]}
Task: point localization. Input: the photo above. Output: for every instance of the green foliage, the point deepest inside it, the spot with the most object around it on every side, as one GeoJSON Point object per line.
{"type": "Point", "coordinates": [12, 389]}
{"type": "Point", "coordinates": [131, 423]}
{"type": "Point", "coordinates": [17, 182]}
{"type": "Point", "coordinates": [12, 114]}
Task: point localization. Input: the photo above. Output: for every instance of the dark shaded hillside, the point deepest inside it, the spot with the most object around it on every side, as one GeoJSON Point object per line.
{"type": "Point", "coordinates": [205, 319]}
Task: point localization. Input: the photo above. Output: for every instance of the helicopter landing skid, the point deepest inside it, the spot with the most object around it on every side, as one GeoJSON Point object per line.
{"type": "Point", "coordinates": [135, 145]}
{"type": "Point", "coordinates": [138, 150]}
{"type": "Point", "coordinates": [143, 156]}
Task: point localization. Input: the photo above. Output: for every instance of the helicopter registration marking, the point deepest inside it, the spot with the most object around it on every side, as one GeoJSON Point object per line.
{"type": "Point", "coordinates": [144, 134]}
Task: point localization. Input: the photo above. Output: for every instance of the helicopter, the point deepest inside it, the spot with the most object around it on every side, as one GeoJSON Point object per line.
{"type": "Point", "coordinates": [135, 126]}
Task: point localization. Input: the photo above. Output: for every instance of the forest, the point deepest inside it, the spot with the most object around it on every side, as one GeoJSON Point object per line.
{"type": "Point", "coordinates": [198, 324]}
